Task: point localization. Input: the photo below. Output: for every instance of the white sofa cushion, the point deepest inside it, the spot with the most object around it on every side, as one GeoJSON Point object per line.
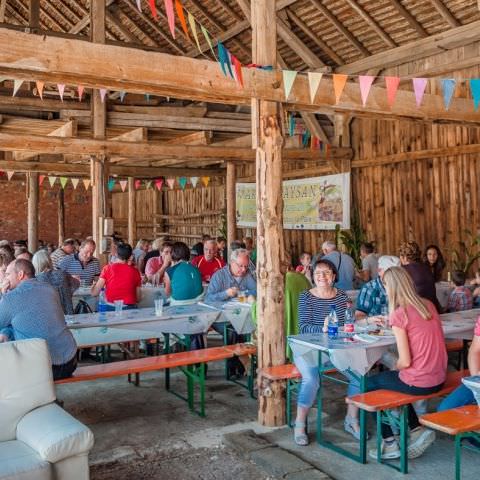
{"type": "Point", "coordinates": [54, 433]}
{"type": "Point", "coordinates": [25, 382]}
{"type": "Point", "coordinates": [19, 462]}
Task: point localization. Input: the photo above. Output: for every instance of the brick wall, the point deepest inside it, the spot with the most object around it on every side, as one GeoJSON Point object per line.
{"type": "Point", "coordinates": [13, 219]}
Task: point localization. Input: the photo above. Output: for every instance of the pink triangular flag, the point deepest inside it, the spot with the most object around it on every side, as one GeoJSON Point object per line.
{"type": "Point", "coordinates": [103, 92]}
{"type": "Point", "coordinates": [419, 85]}
{"type": "Point", "coordinates": [206, 181]}
{"type": "Point", "coordinates": [41, 178]}
{"type": "Point", "coordinates": [194, 181]}
{"type": "Point", "coordinates": [170, 182]}
{"type": "Point", "coordinates": [123, 184]}
{"type": "Point", "coordinates": [40, 86]}
{"type": "Point", "coordinates": [75, 183]}
{"type": "Point", "coordinates": [365, 82]}
{"type": "Point", "coordinates": [159, 183]}
{"type": "Point", "coordinates": [86, 183]}
{"type": "Point", "coordinates": [10, 174]}
{"type": "Point", "coordinates": [170, 16]}
{"type": "Point", "coordinates": [138, 184]}
{"type": "Point", "coordinates": [139, 5]}
{"type": "Point", "coordinates": [52, 180]}
{"type": "Point", "coordinates": [80, 89]}
{"type": "Point", "coordinates": [392, 84]}
{"type": "Point", "coordinates": [61, 90]}
{"type": "Point", "coordinates": [16, 86]}
{"type": "Point", "coordinates": [339, 81]}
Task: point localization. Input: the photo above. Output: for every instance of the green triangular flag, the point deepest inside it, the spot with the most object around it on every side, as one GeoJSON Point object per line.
{"type": "Point", "coordinates": [207, 38]}
{"type": "Point", "coordinates": [63, 181]}
{"type": "Point", "coordinates": [288, 79]}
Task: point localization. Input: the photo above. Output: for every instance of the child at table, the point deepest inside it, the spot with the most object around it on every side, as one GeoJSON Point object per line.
{"type": "Point", "coordinates": [305, 267]}
{"type": "Point", "coordinates": [460, 297]}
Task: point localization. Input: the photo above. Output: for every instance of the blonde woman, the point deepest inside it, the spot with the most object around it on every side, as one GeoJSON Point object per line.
{"type": "Point", "coordinates": [422, 362]}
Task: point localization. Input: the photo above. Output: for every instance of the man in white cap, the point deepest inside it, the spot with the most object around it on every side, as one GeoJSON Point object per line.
{"type": "Point", "coordinates": [372, 299]}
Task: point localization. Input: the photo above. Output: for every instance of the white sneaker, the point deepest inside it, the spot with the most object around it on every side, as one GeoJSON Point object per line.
{"type": "Point", "coordinates": [420, 439]}
{"type": "Point", "coordinates": [389, 451]}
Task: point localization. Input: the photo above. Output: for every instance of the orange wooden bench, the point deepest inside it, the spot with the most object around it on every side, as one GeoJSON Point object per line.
{"type": "Point", "coordinates": [462, 423]}
{"type": "Point", "coordinates": [381, 401]}
{"type": "Point", "coordinates": [185, 360]}
{"type": "Point", "coordinates": [459, 347]}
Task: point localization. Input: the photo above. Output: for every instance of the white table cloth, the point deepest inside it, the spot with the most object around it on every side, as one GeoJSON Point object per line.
{"type": "Point", "coordinates": [239, 314]}
{"type": "Point", "coordinates": [97, 336]}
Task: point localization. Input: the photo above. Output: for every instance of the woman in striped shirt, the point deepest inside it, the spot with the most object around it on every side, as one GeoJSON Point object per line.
{"type": "Point", "coordinates": [313, 307]}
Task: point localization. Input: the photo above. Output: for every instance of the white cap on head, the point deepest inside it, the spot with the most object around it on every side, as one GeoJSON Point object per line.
{"type": "Point", "coordinates": [387, 261]}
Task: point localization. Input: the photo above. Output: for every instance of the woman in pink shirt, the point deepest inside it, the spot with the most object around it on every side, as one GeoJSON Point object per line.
{"type": "Point", "coordinates": [422, 362]}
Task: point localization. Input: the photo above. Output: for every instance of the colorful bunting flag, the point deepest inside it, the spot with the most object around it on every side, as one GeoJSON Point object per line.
{"type": "Point", "coordinates": [339, 81]}
{"type": "Point", "coordinates": [63, 182]}
{"type": "Point", "coordinates": [237, 66]}
{"type": "Point", "coordinates": [181, 17]}
{"type": "Point", "coordinates": [314, 79]}
{"type": "Point", "coordinates": [75, 182]}
{"type": "Point", "coordinates": [16, 86]}
{"type": "Point", "coordinates": [148, 184]}
{"type": "Point", "coordinates": [41, 178]}
{"type": "Point", "coordinates": [153, 9]}
{"type": "Point", "coordinates": [170, 16]}
{"type": "Point", "coordinates": [448, 87]}
{"type": "Point", "coordinates": [40, 86]}
{"type": "Point", "coordinates": [392, 84]}
{"type": "Point", "coordinates": [224, 59]}
{"type": "Point", "coordinates": [122, 95]}
{"type": "Point", "coordinates": [10, 174]}
{"type": "Point", "coordinates": [159, 183]}
{"type": "Point", "coordinates": [111, 184]}
{"type": "Point", "coordinates": [475, 88]}
{"type": "Point", "coordinates": [291, 125]}
{"type": "Point", "coordinates": [61, 90]}
{"type": "Point", "coordinates": [103, 92]}
{"type": "Point", "coordinates": [288, 79]}
{"type": "Point", "coordinates": [52, 180]}
{"type": "Point", "coordinates": [207, 38]}
{"type": "Point", "coordinates": [171, 182]}
{"type": "Point", "coordinates": [419, 85]}
{"type": "Point", "coordinates": [194, 181]}
{"type": "Point", "coordinates": [123, 184]}
{"type": "Point", "coordinates": [147, 97]}
{"type": "Point", "coordinates": [137, 184]}
{"type": "Point", "coordinates": [206, 181]}
{"type": "Point", "coordinates": [86, 183]}
{"type": "Point", "coordinates": [365, 82]}
{"type": "Point", "coordinates": [139, 5]}
{"type": "Point", "coordinates": [193, 28]}
{"type": "Point", "coordinates": [182, 181]}
{"type": "Point", "coordinates": [80, 90]}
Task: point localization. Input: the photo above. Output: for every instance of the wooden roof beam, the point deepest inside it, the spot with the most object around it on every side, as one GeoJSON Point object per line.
{"type": "Point", "coordinates": [445, 13]}
{"type": "Point", "coordinates": [136, 135]}
{"type": "Point", "coordinates": [409, 18]}
{"type": "Point", "coordinates": [197, 138]}
{"type": "Point", "coordinates": [3, 4]}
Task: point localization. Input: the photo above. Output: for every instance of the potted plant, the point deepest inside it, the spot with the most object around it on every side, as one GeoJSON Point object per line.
{"type": "Point", "coordinates": [465, 252]}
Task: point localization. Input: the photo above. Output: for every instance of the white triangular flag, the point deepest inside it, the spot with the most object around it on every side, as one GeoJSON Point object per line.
{"type": "Point", "coordinates": [103, 92]}
{"type": "Point", "coordinates": [10, 174]}
{"type": "Point", "coordinates": [52, 181]}
{"type": "Point", "coordinates": [139, 5]}
{"type": "Point", "coordinates": [61, 90]}
{"type": "Point", "coordinates": [123, 184]}
{"type": "Point", "coordinates": [122, 95]}
{"type": "Point", "coordinates": [16, 86]}
{"type": "Point", "coordinates": [194, 181]}
{"type": "Point", "coordinates": [288, 79]}
{"type": "Point", "coordinates": [314, 79]}
{"type": "Point", "coordinates": [75, 182]}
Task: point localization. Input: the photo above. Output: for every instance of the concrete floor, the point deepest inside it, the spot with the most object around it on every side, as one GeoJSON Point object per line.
{"type": "Point", "coordinates": [146, 432]}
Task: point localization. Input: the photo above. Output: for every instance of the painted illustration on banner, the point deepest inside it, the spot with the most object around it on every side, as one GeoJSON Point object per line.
{"type": "Point", "coordinates": [317, 203]}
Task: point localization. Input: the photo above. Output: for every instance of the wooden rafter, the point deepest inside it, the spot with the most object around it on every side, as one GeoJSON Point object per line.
{"type": "Point", "coordinates": [445, 13]}
{"type": "Point", "coordinates": [409, 18]}
{"type": "Point", "coordinates": [3, 4]}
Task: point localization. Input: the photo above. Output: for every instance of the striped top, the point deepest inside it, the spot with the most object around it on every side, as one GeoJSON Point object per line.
{"type": "Point", "coordinates": [313, 310]}
{"type": "Point", "coordinates": [72, 265]}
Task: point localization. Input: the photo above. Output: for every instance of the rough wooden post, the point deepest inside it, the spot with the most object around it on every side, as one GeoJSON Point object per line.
{"type": "Point", "coordinates": [231, 203]}
{"type": "Point", "coordinates": [34, 14]}
{"type": "Point", "coordinates": [268, 141]}
{"type": "Point", "coordinates": [61, 217]}
{"type": "Point", "coordinates": [132, 212]}
{"type": "Point", "coordinates": [32, 216]}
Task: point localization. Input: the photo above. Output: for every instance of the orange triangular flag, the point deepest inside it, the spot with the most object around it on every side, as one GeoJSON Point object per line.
{"type": "Point", "coordinates": [80, 89]}
{"type": "Point", "coordinates": [40, 86]}
{"type": "Point", "coordinates": [392, 84]}
{"type": "Point", "coordinates": [206, 181]}
{"type": "Point", "coordinates": [41, 178]}
{"type": "Point", "coordinates": [339, 81]}
{"type": "Point", "coordinates": [86, 182]}
{"type": "Point", "coordinates": [181, 17]}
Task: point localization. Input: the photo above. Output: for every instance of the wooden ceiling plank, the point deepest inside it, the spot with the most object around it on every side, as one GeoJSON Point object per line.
{"type": "Point", "coordinates": [339, 26]}
{"type": "Point", "coordinates": [135, 135]}
{"type": "Point", "coordinates": [3, 4]}
{"type": "Point", "coordinates": [409, 18]}
{"type": "Point", "coordinates": [445, 13]}
{"type": "Point", "coordinates": [230, 10]}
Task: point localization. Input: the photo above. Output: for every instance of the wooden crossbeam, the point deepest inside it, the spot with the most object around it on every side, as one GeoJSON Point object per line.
{"type": "Point", "coordinates": [409, 18]}
{"type": "Point", "coordinates": [445, 13]}
{"type": "Point", "coordinates": [197, 138]}
{"type": "Point", "coordinates": [72, 62]}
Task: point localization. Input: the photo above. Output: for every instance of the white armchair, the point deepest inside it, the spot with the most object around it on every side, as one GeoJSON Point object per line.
{"type": "Point", "coordinates": [38, 439]}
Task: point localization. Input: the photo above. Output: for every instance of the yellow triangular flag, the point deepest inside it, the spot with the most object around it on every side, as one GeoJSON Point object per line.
{"type": "Point", "coordinates": [86, 183]}
{"type": "Point", "coordinates": [16, 86]}
{"type": "Point", "coordinates": [40, 86]}
{"type": "Point", "coordinates": [314, 79]}
{"type": "Point", "coordinates": [75, 182]}
{"type": "Point", "coordinates": [206, 181]}
{"type": "Point", "coordinates": [193, 26]}
{"type": "Point", "coordinates": [63, 182]}
{"type": "Point", "coordinates": [288, 79]}
{"type": "Point", "coordinates": [10, 174]}
{"type": "Point", "coordinates": [52, 181]}
{"type": "Point", "coordinates": [339, 81]}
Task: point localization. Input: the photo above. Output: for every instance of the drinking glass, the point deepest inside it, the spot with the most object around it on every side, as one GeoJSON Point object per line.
{"type": "Point", "coordinates": [159, 306]}
{"type": "Point", "coordinates": [242, 296]}
{"type": "Point", "coordinates": [118, 307]}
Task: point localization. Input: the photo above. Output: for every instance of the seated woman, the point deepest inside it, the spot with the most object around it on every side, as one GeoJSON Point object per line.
{"type": "Point", "coordinates": [313, 307]}
{"type": "Point", "coordinates": [422, 362]}
{"type": "Point", "coordinates": [121, 280]}
{"type": "Point", "coordinates": [62, 281]}
{"type": "Point", "coordinates": [433, 258]}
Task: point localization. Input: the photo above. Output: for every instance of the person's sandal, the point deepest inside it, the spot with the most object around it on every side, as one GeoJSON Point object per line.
{"type": "Point", "coordinates": [300, 438]}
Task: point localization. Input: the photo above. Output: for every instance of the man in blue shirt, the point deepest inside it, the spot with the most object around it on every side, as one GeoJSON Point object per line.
{"type": "Point", "coordinates": [32, 309]}
{"type": "Point", "coordinates": [343, 262]}
{"type": "Point", "coordinates": [82, 265]}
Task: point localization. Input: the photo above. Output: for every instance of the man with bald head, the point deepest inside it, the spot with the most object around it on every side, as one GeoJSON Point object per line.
{"type": "Point", "coordinates": [209, 262]}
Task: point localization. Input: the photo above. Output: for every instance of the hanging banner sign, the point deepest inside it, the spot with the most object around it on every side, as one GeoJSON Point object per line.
{"type": "Point", "coordinates": [317, 203]}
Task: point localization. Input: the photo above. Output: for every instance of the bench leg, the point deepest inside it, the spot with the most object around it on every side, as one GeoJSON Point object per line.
{"type": "Point", "coordinates": [404, 439]}
{"type": "Point", "coordinates": [166, 350]}
{"type": "Point", "coordinates": [458, 457]}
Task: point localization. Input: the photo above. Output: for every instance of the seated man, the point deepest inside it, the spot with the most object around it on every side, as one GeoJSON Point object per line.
{"type": "Point", "coordinates": [32, 309]}
{"type": "Point", "coordinates": [156, 267]}
{"type": "Point", "coordinates": [209, 262]}
{"type": "Point", "coordinates": [82, 265]}
{"type": "Point", "coordinates": [369, 262]}
{"type": "Point", "coordinates": [343, 263]}
{"type": "Point", "coordinates": [67, 248]}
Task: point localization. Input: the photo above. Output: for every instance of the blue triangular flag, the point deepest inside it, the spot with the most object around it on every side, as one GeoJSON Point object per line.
{"type": "Point", "coordinates": [182, 182]}
{"type": "Point", "coordinates": [291, 126]}
{"type": "Point", "coordinates": [111, 184]}
{"type": "Point", "coordinates": [475, 88]}
{"type": "Point", "coordinates": [305, 138]}
{"type": "Point", "coordinates": [448, 87]}
{"type": "Point", "coordinates": [224, 59]}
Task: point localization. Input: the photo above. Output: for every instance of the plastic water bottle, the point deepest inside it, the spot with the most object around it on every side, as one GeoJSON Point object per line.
{"type": "Point", "coordinates": [349, 326]}
{"type": "Point", "coordinates": [102, 306]}
{"type": "Point", "coordinates": [332, 322]}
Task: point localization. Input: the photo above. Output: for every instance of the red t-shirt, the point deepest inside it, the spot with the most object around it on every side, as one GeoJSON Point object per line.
{"type": "Point", "coordinates": [428, 367]}
{"type": "Point", "coordinates": [207, 267]}
{"type": "Point", "coordinates": [121, 282]}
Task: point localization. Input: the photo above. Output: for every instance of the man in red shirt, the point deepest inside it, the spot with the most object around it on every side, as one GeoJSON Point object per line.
{"type": "Point", "coordinates": [208, 263]}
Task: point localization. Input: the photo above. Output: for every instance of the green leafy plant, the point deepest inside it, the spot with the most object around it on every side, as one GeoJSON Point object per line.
{"type": "Point", "coordinates": [352, 239]}
{"type": "Point", "coordinates": [465, 252]}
